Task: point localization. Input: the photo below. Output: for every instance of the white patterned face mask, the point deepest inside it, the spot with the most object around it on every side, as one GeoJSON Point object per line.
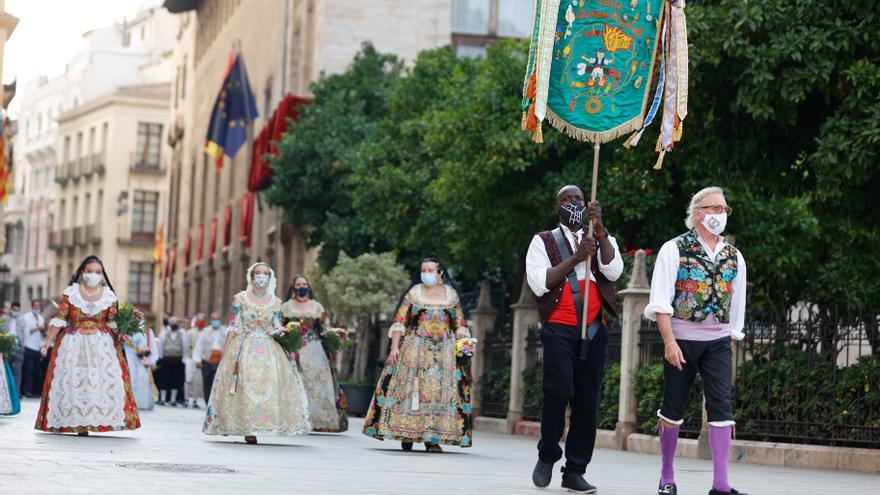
{"type": "Point", "coordinates": [261, 280]}
{"type": "Point", "coordinates": [92, 279]}
{"type": "Point", "coordinates": [715, 223]}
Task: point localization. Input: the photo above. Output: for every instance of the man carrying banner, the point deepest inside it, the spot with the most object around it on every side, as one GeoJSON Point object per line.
{"type": "Point", "coordinates": [698, 298]}
{"type": "Point", "coordinates": [557, 272]}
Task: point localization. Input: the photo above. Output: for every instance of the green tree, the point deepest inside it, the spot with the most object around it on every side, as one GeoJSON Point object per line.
{"type": "Point", "coordinates": [358, 291]}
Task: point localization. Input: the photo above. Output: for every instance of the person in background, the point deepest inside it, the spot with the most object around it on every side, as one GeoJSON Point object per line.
{"type": "Point", "coordinates": [140, 353]}
{"type": "Point", "coordinates": [173, 346]}
{"type": "Point", "coordinates": [209, 352]}
{"type": "Point", "coordinates": [12, 324]}
{"type": "Point", "coordinates": [32, 336]}
{"type": "Point", "coordinates": [193, 387]}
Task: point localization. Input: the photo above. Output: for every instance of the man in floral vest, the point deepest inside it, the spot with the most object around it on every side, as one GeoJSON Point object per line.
{"type": "Point", "coordinates": [698, 298]}
{"type": "Point", "coordinates": [557, 274]}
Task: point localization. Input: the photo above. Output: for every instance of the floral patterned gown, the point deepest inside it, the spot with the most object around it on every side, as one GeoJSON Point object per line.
{"type": "Point", "coordinates": [327, 405]}
{"type": "Point", "coordinates": [426, 396]}
{"type": "Point", "coordinates": [268, 397]}
{"type": "Point", "coordinates": [87, 384]}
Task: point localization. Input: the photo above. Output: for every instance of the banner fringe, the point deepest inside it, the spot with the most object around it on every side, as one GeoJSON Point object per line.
{"type": "Point", "coordinates": [591, 136]}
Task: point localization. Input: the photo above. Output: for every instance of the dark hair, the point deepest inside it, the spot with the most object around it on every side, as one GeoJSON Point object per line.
{"type": "Point", "coordinates": [15, 303]}
{"type": "Point", "coordinates": [416, 278]}
{"type": "Point", "coordinates": [293, 281]}
{"type": "Point", "coordinates": [77, 275]}
{"type": "Point", "coordinates": [35, 300]}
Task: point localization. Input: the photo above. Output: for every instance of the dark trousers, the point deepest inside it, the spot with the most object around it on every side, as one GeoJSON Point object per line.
{"type": "Point", "coordinates": [712, 359]}
{"type": "Point", "coordinates": [208, 372]}
{"type": "Point", "coordinates": [31, 386]}
{"type": "Point", "coordinates": [570, 381]}
{"type": "Point", "coordinates": [172, 376]}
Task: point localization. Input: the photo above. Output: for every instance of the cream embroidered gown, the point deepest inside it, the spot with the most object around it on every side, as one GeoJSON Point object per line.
{"type": "Point", "coordinates": [268, 398]}
{"type": "Point", "coordinates": [326, 400]}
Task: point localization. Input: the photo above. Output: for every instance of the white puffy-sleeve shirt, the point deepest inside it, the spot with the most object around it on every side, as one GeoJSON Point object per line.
{"type": "Point", "coordinates": [666, 273]}
{"type": "Point", "coordinates": [538, 262]}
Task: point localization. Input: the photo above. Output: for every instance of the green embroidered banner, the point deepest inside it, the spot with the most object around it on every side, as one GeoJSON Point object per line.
{"type": "Point", "coordinates": [601, 55]}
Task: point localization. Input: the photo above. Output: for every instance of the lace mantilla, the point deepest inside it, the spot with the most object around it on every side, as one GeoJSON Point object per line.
{"type": "Point", "coordinates": [88, 307]}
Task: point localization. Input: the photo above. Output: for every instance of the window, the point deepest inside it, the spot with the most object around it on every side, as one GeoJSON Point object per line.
{"type": "Point", "coordinates": [140, 283]}
{"type": "Point", "coordinates": [144, 212]}
{"type": "Point", "coordinates": [515, 18]}
{"type": "Point", "coordinates": [471, 16]}
{"type": "Point", "coordinates": [148, 145]}
{"type": "Point", "coordinates": [477, 23]}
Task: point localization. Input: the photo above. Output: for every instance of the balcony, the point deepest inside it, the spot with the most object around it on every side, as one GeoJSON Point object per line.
{"type": "Point", "coordinates": [85, 166]}
{"type": "Point", "coordinates": [55, 241]}
{"type": "Point", "coordinates": [73, 170]}
{"type": "Point", "coordinates": [138, 239]}
{"type": "Point", "coordinates": [139, 165]}
{"type": "Point", "coordinates": [79, 236]}
{"type": "Point", "coordinates": [98, 163]}
{"type": "Point", "coordinates": [92, 234]}
{"type": "Point", "coordinates": [61, 175]}
{"type": "Point", "coordinates": [67, 238]}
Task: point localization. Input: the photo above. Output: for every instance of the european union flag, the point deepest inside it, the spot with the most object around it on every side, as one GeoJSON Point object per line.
{"type": "Point", "coordinates": [233, 111]}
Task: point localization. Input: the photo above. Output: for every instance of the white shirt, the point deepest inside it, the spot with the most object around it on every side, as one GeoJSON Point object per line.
{"type": "Point", "coordinates": [666, 273]}
{"type": "Point", "coordinates": [12, 325]}
{"type": "Point", "coordinates": [537, 262]}
{"type": "Point", "coordinates": [211, 339]}
{"type": "Point", "coordinates": [31, 340]}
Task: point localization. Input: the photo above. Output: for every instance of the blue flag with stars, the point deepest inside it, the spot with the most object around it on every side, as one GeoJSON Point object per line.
{"type": "Point", "coordinates": [233, 111]}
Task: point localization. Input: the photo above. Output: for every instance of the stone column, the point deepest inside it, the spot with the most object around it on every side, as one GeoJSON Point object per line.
{"type": "Point", "coordinates": [481, 324]}
{"type": "Point", "coordinates": [525, 315]}
{"type": "Point", "coordinates": [635, 298]}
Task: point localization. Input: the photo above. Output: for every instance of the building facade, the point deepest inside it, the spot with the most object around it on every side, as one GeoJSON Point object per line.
{"type": "Point", "coordinates": [215, 228]}
{"type": "Point", "coordinates": [12, 231]}
{"type": "Point", "coordinates": [61, 177]}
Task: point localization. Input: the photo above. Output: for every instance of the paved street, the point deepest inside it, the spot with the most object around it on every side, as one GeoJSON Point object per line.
{"type": "Point", "coordinates": [171, 455]}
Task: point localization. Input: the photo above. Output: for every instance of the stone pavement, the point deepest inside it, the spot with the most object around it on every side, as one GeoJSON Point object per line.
{"type": "Point", "coordinates": [170, 455]}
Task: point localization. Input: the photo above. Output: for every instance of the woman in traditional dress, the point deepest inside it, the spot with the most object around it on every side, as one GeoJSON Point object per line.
{"type": "Point", "coordinates": [257, 389]}
{"type": "Point", "coordinates": [141, 354]}
{"type": "Point", "coordinates": [423, 395]}
{"type": "Point", "coordinates": [10, 404]}
{"type": "Point", "coordinates": [87, 384]}
{"type": "Point", "coordinates": [326, 400]}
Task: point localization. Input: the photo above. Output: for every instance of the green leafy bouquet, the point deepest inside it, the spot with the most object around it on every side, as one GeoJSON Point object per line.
{"type": "Point", "coordinates": [290, 336]}
{"type": "Point", "coordinates": [8, 344]}
{"type": "Point", "coordinates": [129, 320]}
{"type": "Point", "coordinates": [335, 339]}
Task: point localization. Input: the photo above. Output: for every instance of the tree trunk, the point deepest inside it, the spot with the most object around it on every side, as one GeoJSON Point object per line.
{"type": "Point", "coordinates": [363, 349]}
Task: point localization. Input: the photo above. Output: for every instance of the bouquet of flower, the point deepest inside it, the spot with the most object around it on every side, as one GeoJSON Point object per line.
{"type": "Point", "coordinates": [8, 344]}
{"type": "Point", "coordinates": [129, 320]}
{"type": "Point", "coordinates": [464, 348]}
{"type": "Point", "coordinates": [335, 339]}
{"type": "Point", "coordinates": [291, 336]}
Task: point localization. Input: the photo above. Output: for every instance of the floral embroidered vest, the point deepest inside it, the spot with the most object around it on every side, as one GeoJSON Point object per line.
{"type": "Point", "coordinates": [703, 287]}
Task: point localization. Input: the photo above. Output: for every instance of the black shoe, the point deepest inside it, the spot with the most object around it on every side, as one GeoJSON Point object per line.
{"type": "Point", "coordinates": [575, 483]}
{"type": "Point", "coordinates": [406, 446]}
{"type": "Point", "coordinates": [182, 404]}
{"type": "Point", "coordinates": [160, 402]}
{"type": "Point", "coordinates": [83, 434]}
{"type": "Point", "coordinates": [731, 492]}
{"type": "Point", "coordinates": [542, 474]}
{"type": "Point", "coordinates": [667, 489]}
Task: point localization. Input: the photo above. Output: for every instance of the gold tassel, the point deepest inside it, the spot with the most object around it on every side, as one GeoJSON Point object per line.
{"type": "Point", "coordinates": [659, 164]}
{"type": "Point", "coordinates": [538, 135]}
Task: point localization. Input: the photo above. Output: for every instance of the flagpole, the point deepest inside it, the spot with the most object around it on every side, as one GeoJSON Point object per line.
{"type": "Point", "coordinates": [584, 323]}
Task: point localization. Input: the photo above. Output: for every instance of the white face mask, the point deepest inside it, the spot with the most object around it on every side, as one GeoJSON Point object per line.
{"type": "Point", "coordinates": [261, 280]}
{"type": "Point", "coordinates": [92, 279]}
{"type": "Point", "coordinates": [715, 223]}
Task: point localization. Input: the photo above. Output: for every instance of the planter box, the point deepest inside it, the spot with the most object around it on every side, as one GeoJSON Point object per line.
{"type": "Point", "coordinates": [359, 397]}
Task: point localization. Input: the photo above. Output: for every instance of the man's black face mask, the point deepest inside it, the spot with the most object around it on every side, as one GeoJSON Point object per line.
{"type": "Point", "coordinates": [572, 213]}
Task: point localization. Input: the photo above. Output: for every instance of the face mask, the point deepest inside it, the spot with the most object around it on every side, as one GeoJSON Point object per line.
{"type": "Point", "coordinates": [92, 279]}
{"type": "Point", "coordinates": [715, 223]}
{"type": "Point", "coordinates": [15, 314]}
{"type": "Point", "coordinates": [215, 323]}
{"type": "Point", "coordinates": [303, 291]}
{"type": "Point", "coordinates": [429, 279]}
{"type": "Point", "coordinates": [261, 280]}
{"type": "Point", "coordinates": [35, 312]}
{"type": "Point", "coordinates": [175, 326]}
{"type": "Point", "coordinates": [572, 213]}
